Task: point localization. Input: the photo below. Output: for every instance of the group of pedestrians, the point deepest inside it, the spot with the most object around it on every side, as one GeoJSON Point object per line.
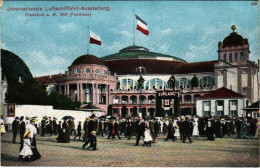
{"type": "Point", "coordinates": [176, 128]}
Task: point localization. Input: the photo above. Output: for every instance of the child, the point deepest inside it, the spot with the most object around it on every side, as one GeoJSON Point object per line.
{"type": "Point", "coordinates": [147, 137]}
{"type": "Point", "coordinates": [93, 141]}
{"type": "Point", "coordinates": [26, 152]}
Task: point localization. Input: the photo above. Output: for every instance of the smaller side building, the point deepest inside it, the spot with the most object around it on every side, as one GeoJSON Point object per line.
{"type": "Point", "coordinates": [221, 102]}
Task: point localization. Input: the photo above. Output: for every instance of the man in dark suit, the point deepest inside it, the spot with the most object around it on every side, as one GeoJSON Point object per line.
{"type": "Point", "coordinates": [54, 125]}
{"type": "Point", "coordinates": [92, 126]}
{"type": "Point", "coordinates": [22, 128]}
{"type": "Point", "coordinates": [140, 131]}
{"type": "Point", "coordinates": [15, 128]}
{"type": "Point", "coordinates": [43, 125]}
{"type": "Point", "coordinates": [85, 128]}
{"type": "Point", "coordinates": [186, 130]}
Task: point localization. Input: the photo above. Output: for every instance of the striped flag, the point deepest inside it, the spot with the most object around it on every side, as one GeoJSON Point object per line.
{"type": "Point", "coordinates": [142, 25]}
{"type": "Point", "coordinates": [94, 38]}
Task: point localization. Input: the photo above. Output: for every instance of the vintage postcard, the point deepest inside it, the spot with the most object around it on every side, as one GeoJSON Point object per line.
{"type": "Point", "coordinates": [130, 83]}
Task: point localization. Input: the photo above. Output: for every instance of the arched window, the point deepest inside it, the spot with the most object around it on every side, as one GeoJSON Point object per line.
{"type": "Point", "coordinates": [151, 99]}
{"type": "Point", "coordinates": [143, 99]}
{"type": "Point", "coordinates": [187, 99]}
{"type": "Point", "coordinates": [133, 100]}
{"type": "Point", "coordinates": [156, 83]}
{"type": "Point", "coordinates": [206, 81]}
{"type": "Point", "coordinates": [77, 70]}
{"type": "Point", "coordinates": [183, 83]}
{"type": "Point", "coordinates": [124, 99]}
{"type": "Point", "coordinates": [87, 70]}
{"type": "Point", "coordinates": [129, 84]}
{"type": "Point", "coordinates": [116, 100]}
{"type": "Point", "coordinates": [97, 71]}
{"type": "Point", "coordinates": [105, 72]}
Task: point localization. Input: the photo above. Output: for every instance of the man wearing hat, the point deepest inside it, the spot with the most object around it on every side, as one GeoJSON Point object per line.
{"type": "Point", "coordinates": [22, 128]}
{"type": "Point", "coordinates": [140, 131]}
{"type": "Point", "coordinates": [85, 128]}
{"type": "Point", "coordinates": [54, 125]}
{"type": "Point", "coordinates": [15, 128]}
{"type": "Point", "coordinates": [43, 125]}
{"type": "Point", "coordinates": [92, 126]}
{"type": "Point", "coordinates": [186, 130]}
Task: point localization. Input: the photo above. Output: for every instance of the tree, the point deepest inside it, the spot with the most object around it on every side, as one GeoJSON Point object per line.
{"type": "Point", "coordinates": [194, 82]}
{"type": "Point", "coordinates": [171, 82]}
{"type": "Point", "coordinates": [141, 82]}
{"type": "Point", "coordinates": [32, 92]}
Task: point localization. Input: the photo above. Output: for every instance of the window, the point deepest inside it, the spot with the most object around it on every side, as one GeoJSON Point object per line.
{"type": "Point", "coordinates": [233, 108]}
{"type": "Point", "coordinates": [105, 72]}
{"type": "Point", "coordinates": [235, 57]}
{"type": "Point", "coordinates": [242, 56]}
{"type": "Point", "coordinates": [230, 57]}
{"type": "Point", "coordinates": [87, 70]}
{"type": "Point", "coordinates": [244, 89]}
{"type": "Point", "coordinates": [225, 57]}
{"type": "Point", "coordinates": [220, 103]}
{"type": "Point", "coordinates": [244, 71]}
{"type": "Point", "coordinates": [206, 108]}
{"type": "Point", "coordinates": [78, 71]}
{"type": "Point", "coordinates": [97, 71]}
{"type": "Point", "coordinates": [167, 102]}
{"type": "Point", "coordinates": [233, 102]}
{"type": "Point", "coordinates": [206, 81]}
{"type": "Point", "coordinates": [220, 72]}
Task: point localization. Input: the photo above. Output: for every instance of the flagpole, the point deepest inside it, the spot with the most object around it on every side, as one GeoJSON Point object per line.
{"type": "Point", "coordinates": [133, 27]}
{"type": "Point", "coordinates": [88, 41]}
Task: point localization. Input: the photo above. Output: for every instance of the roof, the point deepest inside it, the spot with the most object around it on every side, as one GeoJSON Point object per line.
{"type": "Point", "coordinates": [90, 107]}
{"type": "Point", "coordinates": [50, 79]}
{"type": "Point", "coordinates": [233, 39]}
{"type": "Point", "coordinates": [254, 106]}
{"type": "Point", "coordinates": [88, 59]}
{"type": "Point", "coordinates": [14, 67]}
{"type": "Point", "coordinates": [139, 52]}
{"type": "Point", "coordinates": [159, 66]}
{"type": "Point", "coordinates": [221, 93]}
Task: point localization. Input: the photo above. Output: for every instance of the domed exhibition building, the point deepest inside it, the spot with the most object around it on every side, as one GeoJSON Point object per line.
{"type": "Point", "coordinates": [137, 81]}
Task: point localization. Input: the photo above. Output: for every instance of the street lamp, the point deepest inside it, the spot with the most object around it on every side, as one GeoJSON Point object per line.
{"type": "Point", "coordinates": [141, 71]}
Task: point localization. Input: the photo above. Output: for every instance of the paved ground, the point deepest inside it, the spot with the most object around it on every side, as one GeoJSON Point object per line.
{"type": "Point", "coordinates": [229, 152]}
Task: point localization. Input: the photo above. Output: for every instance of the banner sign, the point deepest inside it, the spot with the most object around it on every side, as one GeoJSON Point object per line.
{"type": "Point", "coordinates": [11, 110]}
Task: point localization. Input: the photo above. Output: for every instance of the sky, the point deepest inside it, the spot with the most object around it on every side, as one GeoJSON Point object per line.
{"type": "Point", "coordinates": [188, 30]}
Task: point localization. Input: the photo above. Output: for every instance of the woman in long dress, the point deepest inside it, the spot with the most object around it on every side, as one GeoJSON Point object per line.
{"type": "Point", "coordinates": [30, 128]}
{"type": "Point", "coordinates": [2, 125]}
{"type": "Point", "coordinates": [64, 136]}
{"type": "Point", "coordinates": [196, 127]}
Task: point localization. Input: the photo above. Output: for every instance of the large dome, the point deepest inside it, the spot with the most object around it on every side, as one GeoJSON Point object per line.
{"type": "Point", "coordinates": [88, 59]}
{"type": "Point", "coordinates": [14, 67]}
{"type": "Point", "coordinates": [139, 52]}
{"type": "Point", "coordinates": [233, 39]}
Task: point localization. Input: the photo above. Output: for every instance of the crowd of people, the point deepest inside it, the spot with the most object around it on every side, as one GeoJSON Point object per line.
{"type": "Point", "coordinates": [149, 128]}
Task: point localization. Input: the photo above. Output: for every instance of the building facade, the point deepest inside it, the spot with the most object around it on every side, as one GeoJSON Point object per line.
{"type": "Point", "coordinates": [114, 83]}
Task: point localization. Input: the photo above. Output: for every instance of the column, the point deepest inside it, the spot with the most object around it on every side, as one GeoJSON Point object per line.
{"type": "Point", "coordinates": [137, 100]}
{"type": "Point", "coordinates": [107, 97]}
{"type": "Point", "coordinates": [93, 94]}
{"type": "Point", "coordinates": [192, 98]}
{"type": "Point", "coordinates": [78, 91]}
{"type": "Point", "coordinates": [120, 112]}
{"type": "Point", "coordinates": [68, 90]}
{"type": "Point", "coordinates": [81, 92]}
